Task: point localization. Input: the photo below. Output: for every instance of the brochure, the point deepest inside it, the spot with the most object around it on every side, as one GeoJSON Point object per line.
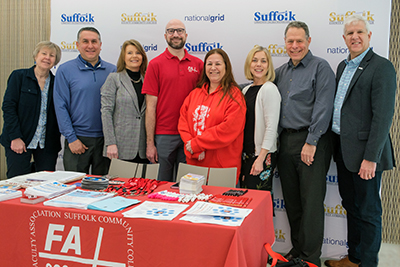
{"type": "Point", "coordinates": [49, 189]}
{"type": "Point", "coordinates": [113, 204]}
{"type": "Point", "coordinates": [156, 210]}
{"type": "Point", "coordinates": [78, 199]}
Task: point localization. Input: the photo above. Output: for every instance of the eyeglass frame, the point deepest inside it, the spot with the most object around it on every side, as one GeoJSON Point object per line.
{"type": "Point", "coordinates": [175, 30]}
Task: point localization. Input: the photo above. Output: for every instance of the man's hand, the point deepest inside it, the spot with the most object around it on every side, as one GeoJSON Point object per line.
{"type": "Point", "coordinates": [307, 154]}
{"type": "Point", "coordinates": [367, 169]}
{"type": "Point", "coordinates": [18, 146]}
{"type": "Point", "coordinates": [77, 147]}
{"type": "Point", "coordinates": [112, 151]}
{"type": "Point", "coordinates": [151, 153]}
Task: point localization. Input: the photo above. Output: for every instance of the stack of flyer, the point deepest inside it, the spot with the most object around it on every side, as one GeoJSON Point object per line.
{"type": "Point", "coordinates": [49, 189]}
{"type": "Point", "coordinates": [78, 199]}
{"type": "Point", "coordinates": [37, 178]}
{"type": "Point", "coordinates": [191, 184]}
{"type": "Point", "coordinates": [6, 194]}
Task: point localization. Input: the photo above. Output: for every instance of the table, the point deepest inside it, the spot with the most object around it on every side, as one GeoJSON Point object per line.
{"type": "Point", "coordinates": [38, 235]}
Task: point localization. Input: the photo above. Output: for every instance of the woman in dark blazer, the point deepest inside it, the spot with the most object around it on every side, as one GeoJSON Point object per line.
{"type": "Point", "coordinates": [123, 106]}
{"type": "Point", "coordinates": [30, 124]}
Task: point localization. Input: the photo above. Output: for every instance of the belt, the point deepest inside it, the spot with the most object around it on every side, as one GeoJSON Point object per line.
{"type": "Point", "coordinates": [288, 130]}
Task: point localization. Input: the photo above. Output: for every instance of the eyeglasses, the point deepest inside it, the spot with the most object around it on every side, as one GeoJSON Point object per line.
{"type": "Point", "coordinates": [180, 31]}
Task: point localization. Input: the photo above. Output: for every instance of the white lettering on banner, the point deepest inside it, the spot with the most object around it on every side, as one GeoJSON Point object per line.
{"type": "Point", "coordinates": [74, 234]}
{"type": "Point", "coordinates": [73, 239]}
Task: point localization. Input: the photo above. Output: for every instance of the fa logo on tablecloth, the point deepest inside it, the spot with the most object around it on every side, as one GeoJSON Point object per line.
{"type": "Point", "coordinates": [73, 242]}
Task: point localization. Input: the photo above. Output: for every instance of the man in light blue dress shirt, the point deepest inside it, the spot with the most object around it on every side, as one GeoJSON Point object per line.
{"type": "Point", "coordinates": [363, 112]}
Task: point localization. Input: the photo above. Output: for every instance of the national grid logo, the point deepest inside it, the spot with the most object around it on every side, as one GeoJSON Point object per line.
{"type": "Point", "coordinates": [274, 17]}
{"type": "Point", "coordinates": [77, 18]}
{"type": "Point", "coordinates": [206, 18]}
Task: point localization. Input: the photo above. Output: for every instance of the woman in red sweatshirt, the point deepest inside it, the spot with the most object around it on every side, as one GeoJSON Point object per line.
{"type": "Point", "coordinates": [212, 117]}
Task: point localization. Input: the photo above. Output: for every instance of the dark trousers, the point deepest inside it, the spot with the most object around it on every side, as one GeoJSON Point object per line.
{"type": "Point", "coordinates": [19, 164]}
{"type": "Point", "coordinates": [361, 199]}
{"type": "Point", "coordinates": [93, 156]}
{"type": "Point", "coordinates": [170, 153]}
{"type": "Point", "coordinates": [304, 189]}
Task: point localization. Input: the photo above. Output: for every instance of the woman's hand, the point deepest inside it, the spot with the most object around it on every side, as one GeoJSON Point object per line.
{"type": "Point", "coordinates": [112, 152]}
{"type": "Point", "coordinates": [257, 167]}
{"type": "Point", "coordinates": [18, 146]}
{"type": "Point", "coordinates": [202, 156]}
{"type": "Point", "coordinates": [189, 147]}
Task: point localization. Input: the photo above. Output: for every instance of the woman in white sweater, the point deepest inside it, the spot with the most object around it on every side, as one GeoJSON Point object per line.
{"type": "Point", "coordinates": [263, 103]}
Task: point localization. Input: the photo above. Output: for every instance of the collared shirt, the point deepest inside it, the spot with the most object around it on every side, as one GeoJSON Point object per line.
{"type": "Point", "coordinates": [40, 133]}
{"type": "Point", "coordinates": [343, 86]}
{"type": "Point", "coordinates": [77, 97]}
{"type": "Point", "coordinates": [171, 80]}
{"type": "Point", "coordinates": [307, 92]}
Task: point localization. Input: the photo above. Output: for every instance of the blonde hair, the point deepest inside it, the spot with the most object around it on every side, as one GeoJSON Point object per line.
{"type": "Point", "coordinates": [270, 76]}
{"type": "Point", "coordinates": [49, 45]}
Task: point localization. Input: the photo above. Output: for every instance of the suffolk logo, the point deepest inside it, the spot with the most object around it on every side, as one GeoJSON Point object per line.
{"type": "Point", "coordinates": [335, 242]}
{"type": "Point", "coordinates": [280, 235]}
{"type": "Point", "coordinates": [69, 47]}
{"type": "Point", "coordinates": [77, 18]}
{"type": "Point", "coordinates": [337, 211]}
{"type": "Point", "coordinates": [207, 18]}
{"type": "Point", "coordinates": [202, 47]}
{"type": "Point", "coordinates": [277, 50]}
{"type": "Point", "coordinates": [335, 18]}
{"type": "Point", "coordinates": [139, 18]}
{"type": "Point", "coordinates": [274, 17]}
{"type": "Point", "coordinates": [332, 179]}
{"type": "Point", "coordinates": [279, 204]}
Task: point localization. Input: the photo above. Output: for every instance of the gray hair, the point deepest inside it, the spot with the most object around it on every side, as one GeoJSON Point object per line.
{"type": "Point", "coordinates": [354, 19]}
{"type": "Point", "coordinates": [49, 45]}
{"type": "Point", "coordinates": [90, 29]}
{"type": "Point", "coordinates": [299, 25]}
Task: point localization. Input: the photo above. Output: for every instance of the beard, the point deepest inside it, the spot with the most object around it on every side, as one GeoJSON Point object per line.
{"type": "Point", "coordinates": [176, 46]}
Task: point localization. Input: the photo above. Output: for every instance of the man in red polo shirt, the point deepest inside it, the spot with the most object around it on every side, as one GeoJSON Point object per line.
{"type": "Point", "coordinates": [169, 79]}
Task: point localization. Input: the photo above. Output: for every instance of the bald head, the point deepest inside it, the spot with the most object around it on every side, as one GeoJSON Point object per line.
{"type": "Point", "coordinates": [175, 35]}
{"type": "Point", "coordinates": [175, 23]}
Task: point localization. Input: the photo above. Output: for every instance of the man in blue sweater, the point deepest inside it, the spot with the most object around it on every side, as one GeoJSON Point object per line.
{"type": "Point", "coordinates": [77, 104]}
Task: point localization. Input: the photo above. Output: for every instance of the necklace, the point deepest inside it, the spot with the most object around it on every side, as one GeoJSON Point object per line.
{"type": "Point", "coordinates": [140, 79]}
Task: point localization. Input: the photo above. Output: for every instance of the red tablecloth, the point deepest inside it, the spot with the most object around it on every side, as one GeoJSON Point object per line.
{"type": "Point", "coordinates": [38, 235]}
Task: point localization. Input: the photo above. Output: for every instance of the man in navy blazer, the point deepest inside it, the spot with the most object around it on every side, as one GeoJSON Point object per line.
{"type": "Point", "coordinates": [363, 112]}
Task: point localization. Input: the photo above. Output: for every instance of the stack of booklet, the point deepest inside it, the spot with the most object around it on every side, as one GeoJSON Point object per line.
{"type": "Point", "coordinates": [49, 189]}
{"type": "Point", "coordinates": [78, 199]}
{"type": "Point", "coordinates": [191, 184]}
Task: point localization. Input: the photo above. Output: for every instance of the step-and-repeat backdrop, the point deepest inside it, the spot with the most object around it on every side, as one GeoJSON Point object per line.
{"type": "Point", "coordinates": [235, 26]}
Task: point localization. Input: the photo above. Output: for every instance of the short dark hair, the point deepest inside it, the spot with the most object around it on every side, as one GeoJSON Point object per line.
{"type": "Point", "coordinates": [299, 25]}
{"type": "Point", "coordinates": [90, 29]}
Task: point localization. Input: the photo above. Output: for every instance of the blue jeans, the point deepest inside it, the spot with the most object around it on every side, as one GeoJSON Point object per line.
{"type": "Point", "coordinates": [361, 199]}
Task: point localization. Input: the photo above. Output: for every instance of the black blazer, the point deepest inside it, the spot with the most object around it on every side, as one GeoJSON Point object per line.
{"type": "Point", "coordinates": [367, 113]}
{"type": "Point", "coordinates": [21, 110]}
